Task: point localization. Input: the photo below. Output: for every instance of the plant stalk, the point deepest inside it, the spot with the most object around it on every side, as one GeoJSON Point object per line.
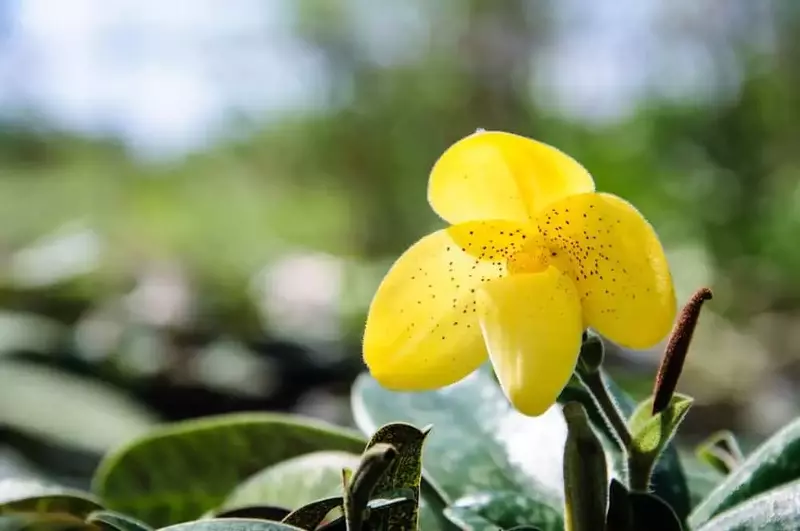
{"type": "Point", "coordinates": [640, 472]}
{"type": "Point", "coordinates": [593, 382]}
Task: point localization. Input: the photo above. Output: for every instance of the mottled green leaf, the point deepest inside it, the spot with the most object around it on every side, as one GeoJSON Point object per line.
{"type": "Point", "coordinates": [774, 463]}
{"type": "Point", "coordinates": [232, 524]}
{"type": "Point", "coordinates": [377, 520]}
{"type": "Point", "coordinates": [310, 516]}
{"type": "Point", "coordinates": [404, 473]}
{"type": "Point", "coordinates": [294, 482]}
{"type": "Point", "coordinates": [114, 521]}
{"type": "Point", "coordinates": [23, 496]}
{"type": "Point", "coordinates": [506, 509]}
{"type": "Point", "coordinates": [774, 510]}
{"type": "Point", "coordinates": [668, 480]}
{"type": "Point", "coordinates": [479, 442]}
{"type": "Point", "coordinates": [651, 433]}
{"type": "Point", "coordinates": [182, 470]}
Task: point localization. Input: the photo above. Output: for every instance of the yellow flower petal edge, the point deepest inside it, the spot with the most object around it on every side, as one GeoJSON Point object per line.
{"type": "Point", "coordinates": [532, 326]}
{"type": "Point", "coordinates": [618, 265]}
{"type": "Point", "coordinates": [499, 175]}
{"type": "Point", "coordinates": [422, 330]}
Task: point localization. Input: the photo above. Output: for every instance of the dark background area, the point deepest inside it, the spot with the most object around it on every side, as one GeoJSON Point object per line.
{"type": "Point", "coordinates": [198, 198]}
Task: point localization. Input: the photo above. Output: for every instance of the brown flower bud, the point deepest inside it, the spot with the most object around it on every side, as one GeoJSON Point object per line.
{"type": "Point", "coordinates": [675, 354]}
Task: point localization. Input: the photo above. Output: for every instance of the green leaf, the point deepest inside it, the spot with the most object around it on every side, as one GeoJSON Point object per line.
{"type": "Point", "coordinates": [479, 442]}
{"type": "Point", "coordinates": [294, 482]}
{"type": "Point", "coordinates": [668, 481]}
{"type": "Point", "coordinates": [180, 471]}
{"type": "Point", "coordinates": [377, 520]}
{"type": "Point", "coordinates": [20, 496]}
{"type": "Point", "coordinates": [506, 510]}
{"type": "Point", "coordinates": [390, 468]}
{"type": "Point", "coordinates": [619, 516]}
{"type": "Point", "coordinates": [231, 524]}
{"type": "Point", "coordinates": [404, 472]}
{"type": "Point", "coordinates": [701, 478]}
{"type": "Point", "coordinates": [71, 410]}
{"type": "Point", "coordinates": [721, 452]}
{"type": "Point", "coordinates": [264, 512]}
{"type": "Point", "coordinates": [585, 472]}
{"type": "Point", "coordinates": [652, 513]}
{"type": "Point", "coordinates": [774, 510]}
{"type": "Point", "coordinates": [43, 522]}
{"type": "Point", "coordinates": [469, 520]}
{"type": "Point", "coordinates": [114, 521]}
{"type": "Point", "coordinates": [636, 511]}
{"type": "Point", "coordinates": [35, 457]}
{"type": "Point", "coordinates": [310, 516]}
{"type": "Point", "coordinates": [651, 433]}
{"type": "Point", "coordinates": [775, 462]}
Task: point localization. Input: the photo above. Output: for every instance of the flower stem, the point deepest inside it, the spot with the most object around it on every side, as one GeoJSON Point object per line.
{"type": "Point", "coordinates": [593, 382]}
{"type": "Point", "coordinates": [639, 472]}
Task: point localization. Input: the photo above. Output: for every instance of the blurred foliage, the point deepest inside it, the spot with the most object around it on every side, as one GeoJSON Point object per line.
{"type": "Point", "coordinates": [156, 279]}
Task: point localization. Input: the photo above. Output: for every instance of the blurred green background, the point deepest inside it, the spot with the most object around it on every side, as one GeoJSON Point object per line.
{"type": "Point", "coordinates": [198, 198]}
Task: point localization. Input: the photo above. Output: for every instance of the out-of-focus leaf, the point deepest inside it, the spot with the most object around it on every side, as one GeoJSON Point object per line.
{"type": "Point", "coordinates": [775, 510]}
{"type": "Point", "coordinates": [114, 521]}
{"type": "Point", "coordinates": [504, 510]}
{"type": "Point", "coordinates": [294, 482]}
{"type": "Point", "coordinates": [720, 451]}
{"type": "Point", "coordinates": [232, 524]}
{"type": "Point", "coordinates": [20, 496]}
{"type": "Point", "coordinates": [36, 457]}
{"type": "Point", "coordinates": [469, 520]}
{"type": "Point", "coordinates": [150, 478]}
{"type": "Point", "coordinates": [701, 478]}
{"type": "Point", "coordinates": [74, 411]}
{"type": "Point", "coordinates": [43, 522]}
{"type": "Point", "coordinates": [479, 442]}
{"type": "Point", "coordinates": [774, 463]}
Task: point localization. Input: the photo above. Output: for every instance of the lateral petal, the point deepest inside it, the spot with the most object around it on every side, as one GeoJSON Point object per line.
{"type": "Point", "coordinates": [618, 265]}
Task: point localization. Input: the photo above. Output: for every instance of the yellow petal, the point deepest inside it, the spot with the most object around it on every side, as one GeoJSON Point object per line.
{"type": "Point", "coordinates": [498, 175]}
{"type": "Point", "coordinates": [618, 265]}
{"type": "Point", "coordinates": [532, 327]}
{"type": "Point", "coordinates": [422, 330]}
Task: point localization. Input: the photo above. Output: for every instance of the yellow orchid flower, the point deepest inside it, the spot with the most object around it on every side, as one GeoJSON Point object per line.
{"type": "Point", "coordinates": [533, 256]}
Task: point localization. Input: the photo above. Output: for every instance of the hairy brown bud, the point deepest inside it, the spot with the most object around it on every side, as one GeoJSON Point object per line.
{"type": "Point", "coordinates": [675, 354]}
